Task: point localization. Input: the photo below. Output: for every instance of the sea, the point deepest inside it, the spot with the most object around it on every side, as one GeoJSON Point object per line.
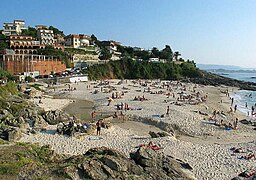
{"type": "Point", "coordinates": [245, 100]}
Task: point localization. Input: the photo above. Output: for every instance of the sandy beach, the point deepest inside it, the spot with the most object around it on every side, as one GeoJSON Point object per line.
{"type": "Point", "coordinates": [201, 142]}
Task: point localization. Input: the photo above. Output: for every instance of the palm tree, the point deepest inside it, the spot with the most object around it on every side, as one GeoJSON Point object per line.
{"type": "Point", "coordinates": [176, 55]}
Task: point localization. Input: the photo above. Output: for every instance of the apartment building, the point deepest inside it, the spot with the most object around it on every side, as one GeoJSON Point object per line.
{"type": "Point", "coordinates": [14, 28]}
{"type": "Point", "coordinates": [45, 36]}
{"type": "Point", "coordinates": [23, 44]}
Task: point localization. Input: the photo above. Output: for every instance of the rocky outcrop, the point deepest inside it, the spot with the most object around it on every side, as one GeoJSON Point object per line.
{"type": "Point", "coordinates": [160, 166]}
{"type": "Point", "coordinates": [105, 163]}
{"type": "Point", "coordinates": [27, 161]}
{"type": "Point", "coordinates": [55, 117]}
{"type": "Point", "coordinates": [17, 115]}
{"type": "Point", "coordinates": [216, 80]}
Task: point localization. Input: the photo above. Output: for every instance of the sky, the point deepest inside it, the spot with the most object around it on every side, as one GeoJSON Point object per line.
{"type": "Point", "coordinates": [206, 31]}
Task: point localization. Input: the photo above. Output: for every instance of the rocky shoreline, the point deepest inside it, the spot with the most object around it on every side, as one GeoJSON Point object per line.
{"type": "Point", "coordinates": [217, 80]}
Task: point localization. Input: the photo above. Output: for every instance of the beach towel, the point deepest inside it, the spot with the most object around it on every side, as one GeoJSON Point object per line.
{"type": "Point", "coordinates": [155, 115]}
{"type": "Point", "coordinates": [227, 128]}
{"type": "Point", "coordinates": [95, 138]}
{"type": "Point", "coordinates": [135, 109]}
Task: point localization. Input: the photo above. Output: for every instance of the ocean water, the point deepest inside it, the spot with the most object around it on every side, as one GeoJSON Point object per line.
{"type": "Point", "coordinates": [244, 99]}
{"type": "Point", "coordinates": [243, 76]}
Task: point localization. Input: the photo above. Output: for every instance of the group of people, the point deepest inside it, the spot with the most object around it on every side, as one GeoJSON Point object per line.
{"type": "Point", "coordinates": [140, 98]}
{"type": "Point", "coordinates": [122, 106]}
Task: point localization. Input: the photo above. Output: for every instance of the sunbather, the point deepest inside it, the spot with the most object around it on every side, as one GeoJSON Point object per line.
{"type": "Point", "coordinates": [151, 146]}
{"type": "Point", "coordinates": [249, 156]}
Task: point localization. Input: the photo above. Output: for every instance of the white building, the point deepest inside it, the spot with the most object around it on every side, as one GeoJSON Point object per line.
{"type": "Point", "coordinates": [77, 41]}
{"type": "Point", "coordinates": [154, 60]}
{"type": "Point", "coordinates": [45, 36]}
{"type": "Point", "coordinates": [14, 28]}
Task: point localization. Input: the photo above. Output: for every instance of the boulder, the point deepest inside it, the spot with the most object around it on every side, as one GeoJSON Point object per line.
{"type": "Point", "coordinates": [160, 166]}
{"type": "Point", "coordinates": [55, 117]}
{"type": "Point", "coordinates": [71, 172]}
{"type": "Point", "coordinates": [14, 134]}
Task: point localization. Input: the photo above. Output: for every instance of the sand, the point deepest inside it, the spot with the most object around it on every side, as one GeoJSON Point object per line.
{"type": "Point", "coordinates": [205, 146]}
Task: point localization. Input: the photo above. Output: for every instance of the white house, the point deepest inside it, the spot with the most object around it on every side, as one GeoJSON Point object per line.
{"type": "Point", "coordinates": [77, 41]}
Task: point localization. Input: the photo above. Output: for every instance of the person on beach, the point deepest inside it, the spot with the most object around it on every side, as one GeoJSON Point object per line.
{"type": "Point", "coordinates": [235, 123]}
{"type": "Point", "coordinates": [122, 115]}
{"type": "Point", "coordinates": [232, 101]}
{"type": "Point", "coordinates": [235, 108]}
{"type": "Point", "coordinates": [93, 115]}
{"type": "Point", "coordinates": [168, 110]}
{"type": "Point", "coordinates": [98, 127]}
{"type": "Point", "coordinates": [109, 101]}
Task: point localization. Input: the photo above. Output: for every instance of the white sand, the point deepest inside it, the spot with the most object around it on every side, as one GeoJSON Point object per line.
{"type": "Point", "coordinates": [208, 152]}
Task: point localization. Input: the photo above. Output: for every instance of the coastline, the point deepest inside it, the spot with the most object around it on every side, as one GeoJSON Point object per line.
{"type": "Point", "coordinates": [205, 140]}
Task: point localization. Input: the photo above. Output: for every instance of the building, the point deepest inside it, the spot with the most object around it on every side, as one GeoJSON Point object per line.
{"type": "Point", "coordinates": [23, 44]}
{"type": "Point", "coordinates": [112, 47]}
{"type": "Point", "coordinates": [14, 28]}
{"type": "Point", "coordinates": [154, 60]}
{"type": "Point", "coordinates": [45, 36]}
{"type": "Point", "coordinates": [29, 63]}
{"type": "Point", "coordinates": [77, 41]}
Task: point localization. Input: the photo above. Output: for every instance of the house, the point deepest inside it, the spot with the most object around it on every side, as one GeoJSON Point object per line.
{"type": "Point", "coordinates": [112, 47]}
{"type": "Point", "coordinates": [154, 60]}
{"type": "Point", "coordinates": [14, 28]}
{"type": "Point", "coordinates": [77, 41]}
{"type": "Point", "coordinates": [138, 49]}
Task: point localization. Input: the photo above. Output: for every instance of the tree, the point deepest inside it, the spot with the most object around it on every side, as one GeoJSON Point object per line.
{"type": "Point", "coordinates": [56, 31]}
{"type": "Point", "coordinates": [176, 55]}
{"type": "Point", "coordinates": [50, 51]}
{"type": "Point", "coordinates": [3, 45]}
{"type": "Point", "coordinates": [105, 54]}
{"type": "Point", "coordinates": [94, 38]}
{"type": "Point", "coordinates": [29, 32]}
{"type": "Point", "coordinates": [155, 52]}
{"type": "Point", "coordinates": [166, 53]}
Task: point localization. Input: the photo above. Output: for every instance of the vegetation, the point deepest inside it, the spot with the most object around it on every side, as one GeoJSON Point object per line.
{"type": "Point", "coordinates": [29, 79]}
{"type": "Point", "coordinates": [5, 75]}
{"type": "Point", "coordinates": [129, 69]}
{"type": "Point", "coordinates": [3, 43]}
{"type": "Point", "coordinates": [105, 54]}
{"type": "Point", "coordinates": [9, 88]}
{"type": "Point", "coordinates": [22, 155]}
{"type": "Point", "coordinates": [29, 32]}
{"type": "Point", "coordinates": [36, 86]}
{"type": "Point", "coordinates": [56, 30]}
{"type": "Point", "coordinates": [49, 50]}
{"type": "Point", "coordinates": [131, 52]}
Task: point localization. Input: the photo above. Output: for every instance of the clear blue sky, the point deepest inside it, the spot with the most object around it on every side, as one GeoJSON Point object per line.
{"type": "Point", "coordinates": [208, 31]}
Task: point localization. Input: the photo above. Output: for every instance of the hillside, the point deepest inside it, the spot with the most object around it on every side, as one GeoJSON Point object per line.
{"type": "Point", "coordinates": [129, 69]}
